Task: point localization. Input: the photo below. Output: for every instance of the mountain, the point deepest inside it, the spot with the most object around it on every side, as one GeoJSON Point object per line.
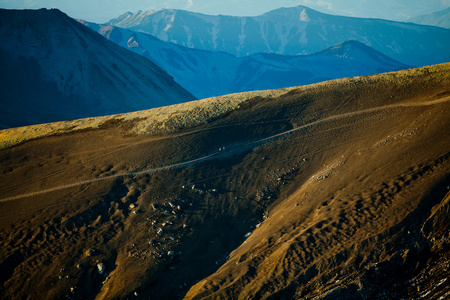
{"type": "Point", "coordinates": [103, 10]}
{"type": "Point", "coordinates": [291, 31]}
{"type": "Point", "coordinates": [53, 68]}
{"type": "Point", "coordinates": [337, 190]}
{"type": "Point", "coordinates": [209, 73]}
{"type": "Point", "coordinates": [439, 18]}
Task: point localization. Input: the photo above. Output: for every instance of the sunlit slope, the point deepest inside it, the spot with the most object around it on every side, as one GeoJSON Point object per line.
{"type": "Point", "coordinates": [342, 186]}
{"type": "Point", "coordinates": [352, 220]}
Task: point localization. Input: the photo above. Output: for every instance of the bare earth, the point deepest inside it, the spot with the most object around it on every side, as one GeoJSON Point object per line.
{"type": "Point", "coordinates": [338, 190]}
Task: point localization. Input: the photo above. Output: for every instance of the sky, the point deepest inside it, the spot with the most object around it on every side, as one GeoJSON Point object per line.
{"type": "Point", "coordinates": [101, 11]}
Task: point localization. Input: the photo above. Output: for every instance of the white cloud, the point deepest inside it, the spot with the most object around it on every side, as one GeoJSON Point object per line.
{"type": "Point", "coordinates": [190, 3]}
{"type": "Point", "coordinates": [328, 5]}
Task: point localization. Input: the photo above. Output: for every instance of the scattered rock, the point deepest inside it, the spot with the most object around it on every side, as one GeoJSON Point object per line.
{"type": "Point", "coordinates": [101, 268]}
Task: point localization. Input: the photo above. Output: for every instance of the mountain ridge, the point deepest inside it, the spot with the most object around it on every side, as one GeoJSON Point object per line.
{"type": "Point", "coordinates": [337, 189]}
{"type": "Point", "coordinates": [53, 68]}
{"type": "Point", "coordinates": [439, 18]}
{"type": "Point", "coordinates": [291, 31]}
{"type": "Point", "coordinates": [209, 73]}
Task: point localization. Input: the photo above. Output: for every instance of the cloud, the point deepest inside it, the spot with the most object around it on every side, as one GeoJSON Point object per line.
{"type": "Point", "coordinates": [325, 4]}
{"type": "Point", "coordinates": [320, 3]}
{"type": "Point", "coordinates": [190, 3]}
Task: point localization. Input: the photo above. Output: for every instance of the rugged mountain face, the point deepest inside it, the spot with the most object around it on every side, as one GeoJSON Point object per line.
{"type": "Point", "coordinates": [53, 68]}
{"type": "Point", "coordinates": [209, 73]}
{"type": "Point", "coordinates": [291, 31]}
{"type": "Point", "coordinates": [439, 18]}
{"type": "Point", "coordinates": [334, 190]}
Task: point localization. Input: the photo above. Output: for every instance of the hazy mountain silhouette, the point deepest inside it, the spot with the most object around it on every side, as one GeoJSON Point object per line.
{"type": "Point", "coordinates": [210, 73]}
{"type": "Point", "coordinates": [292, 31]}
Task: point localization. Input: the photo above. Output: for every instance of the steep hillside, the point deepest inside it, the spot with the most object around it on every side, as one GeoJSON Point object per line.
{"type": "Point", "coordinates": [333, 190]}
{"type": "Point", "coordinates": [209, 73]}
{"type": "Point", "coordinates": [292, 31]}
{"type": "Point", "coordinates": [53, 68]}
{"type": "Point", "coordinates": [439, 18]}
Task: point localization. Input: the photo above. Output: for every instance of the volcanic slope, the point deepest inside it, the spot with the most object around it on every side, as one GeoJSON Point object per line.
{"type": "Point", "coordinates": [52, 69]}
{"type": "Point", "coordinates": [338, 189]}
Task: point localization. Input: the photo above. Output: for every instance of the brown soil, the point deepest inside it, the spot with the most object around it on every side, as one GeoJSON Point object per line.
{"type": "Point", "coordinates": [343, 187]}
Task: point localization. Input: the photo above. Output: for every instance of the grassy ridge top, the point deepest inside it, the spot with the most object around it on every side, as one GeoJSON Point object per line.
{"type": "Point", "coordinates": [171, 119]}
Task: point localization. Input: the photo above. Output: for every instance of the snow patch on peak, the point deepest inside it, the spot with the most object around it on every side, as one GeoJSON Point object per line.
{"type": "Point", "coordinates": [304, 16]}
{"type": "Point", "coordinates": [242, 36]}
{"type": "Point", "coordinates": [214, 32]}
{"type": "Point", "coordinates": [170, 24]}
{"type": "Point", "coordinates": [188, 31]}
{"type": "Point", "coordinates": [132, 42]}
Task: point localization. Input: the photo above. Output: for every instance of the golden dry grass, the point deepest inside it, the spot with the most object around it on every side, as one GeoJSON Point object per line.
{"type": "Point", "coordinates": [171, 119]}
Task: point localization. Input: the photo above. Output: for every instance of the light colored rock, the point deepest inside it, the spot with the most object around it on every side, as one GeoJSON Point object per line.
{"type": "Point", "coordinates": [101, 268]}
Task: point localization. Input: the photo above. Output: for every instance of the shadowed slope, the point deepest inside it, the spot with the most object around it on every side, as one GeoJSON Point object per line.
{"type": "Point", "coordinates": [52, 68]}
{"type": "Point", "coordinates": [333, 190]}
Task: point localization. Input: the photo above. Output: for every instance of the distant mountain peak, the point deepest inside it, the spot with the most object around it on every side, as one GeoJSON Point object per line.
{"type": "Point", "coordinates": [212, 73]}
{"type": "Point", "coordinates": [295, 30]}
{"type": "Point", "coordinates": [356, 50]}
{"type": "Point", "coordinates": [439, 18]}
{"type": "Point", "coordinates": [300, 12]}
{"type": "Point", "coordinates": [344, 47]}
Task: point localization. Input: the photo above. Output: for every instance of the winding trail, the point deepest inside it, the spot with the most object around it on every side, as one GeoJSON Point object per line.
{"type": "Point", "coordinates": [221, 153]}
